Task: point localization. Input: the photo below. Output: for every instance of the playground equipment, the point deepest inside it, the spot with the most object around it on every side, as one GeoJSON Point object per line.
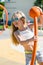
{"type": "Point", "coordinates": [34, 13]}
{"type": "Point", "coordinates": [6, 12]}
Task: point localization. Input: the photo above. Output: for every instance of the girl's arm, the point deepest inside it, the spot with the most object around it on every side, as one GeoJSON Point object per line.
{"type": "Point", "coordinates": [23, 42]}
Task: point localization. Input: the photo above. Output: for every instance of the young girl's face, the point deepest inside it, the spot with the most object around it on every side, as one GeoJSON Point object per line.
{"type": "Point", "coordinates": [19, 23]}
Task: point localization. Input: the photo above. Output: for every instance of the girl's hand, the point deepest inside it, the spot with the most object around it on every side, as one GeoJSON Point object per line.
{"type": "Point", "coordinates": [35, 38]}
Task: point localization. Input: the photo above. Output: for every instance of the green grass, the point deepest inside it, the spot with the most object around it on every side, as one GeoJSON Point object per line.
{"type": "Point", "coordinates": [1, 27]}
{"type": "Point", "coordinates": [40, 28]}
{"type": "Point", "coordinates": [9, 27]}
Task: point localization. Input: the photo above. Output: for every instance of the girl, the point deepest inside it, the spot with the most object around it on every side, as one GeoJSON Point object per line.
{"type": "Point", "coordinates": [21, 34]}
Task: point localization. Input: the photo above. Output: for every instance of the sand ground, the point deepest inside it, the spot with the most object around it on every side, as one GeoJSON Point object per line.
{"type": "Point", "coordinates": [10, 56]}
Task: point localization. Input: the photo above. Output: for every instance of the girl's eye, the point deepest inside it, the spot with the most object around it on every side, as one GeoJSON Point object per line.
{"type": "Point", "coordinates": [15, 19]}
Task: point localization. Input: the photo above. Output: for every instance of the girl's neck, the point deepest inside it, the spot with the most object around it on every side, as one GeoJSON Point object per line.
{"type": "Point", "coordinates": [23, 28]}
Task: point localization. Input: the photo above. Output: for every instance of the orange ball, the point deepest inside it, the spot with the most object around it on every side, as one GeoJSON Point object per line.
{"type": "Point", "coordinates": [34, 12]}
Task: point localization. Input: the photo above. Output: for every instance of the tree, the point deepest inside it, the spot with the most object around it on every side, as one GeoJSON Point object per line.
{"type": "Point", "coordinates": [39, 3]}
{"type": "Point", "coordinates": [1, 10]}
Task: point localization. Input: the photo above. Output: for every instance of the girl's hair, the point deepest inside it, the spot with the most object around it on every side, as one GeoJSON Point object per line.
{"type": "Point", "coordinates": [23, 18]}
{"type": "Point", "coordinates": [14, 40]}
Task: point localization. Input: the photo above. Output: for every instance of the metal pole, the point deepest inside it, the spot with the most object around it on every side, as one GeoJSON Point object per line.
{"type": "Point", "coordinates": [35, 41]}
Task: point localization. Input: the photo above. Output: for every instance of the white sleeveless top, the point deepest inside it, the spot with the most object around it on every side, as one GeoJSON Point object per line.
{"type": "Point", "coordinates": [25, 35]}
